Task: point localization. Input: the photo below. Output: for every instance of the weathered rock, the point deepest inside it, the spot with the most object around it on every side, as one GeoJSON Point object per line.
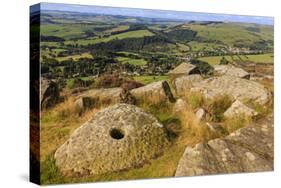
{"type": "Point", "coordinates": [249, 149]}
{"type": "Point", "coordinates": [180, 105]}
{"type": "Point", "coordinates": [156, 91]}
{"type": "Point", "coordinates": [96, 97]}
{"type": "Point", "coordinates": [183, 84]}
{"type": "Point", "coordinates": [238, 88]}
{"type": "Point", "coordinates": [237, 109]}
{"type": "Point", "coordinates": [50, 94]}
{"type": "Point", "coordinates": [231, 71]}
{"type": "Point", "coordinates": [117, 138]}
{"type": "Point", "coordinates": [184, 69]}
{"type": "Point", "coordinates": [200, 113]}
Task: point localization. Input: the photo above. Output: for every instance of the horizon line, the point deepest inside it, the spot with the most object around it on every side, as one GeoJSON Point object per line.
{"type": "Point", "coordinates": [153, 13]}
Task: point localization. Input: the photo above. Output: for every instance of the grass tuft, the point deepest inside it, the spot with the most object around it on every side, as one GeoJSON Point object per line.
{"type": "Point", "coordinates": [235, 123]}
{"type": "Point", "coordinates": [217, 106]}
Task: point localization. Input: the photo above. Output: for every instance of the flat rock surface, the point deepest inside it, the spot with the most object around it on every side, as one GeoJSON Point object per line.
{"type": "Point", "coordinates": [183, 69]}
{"type": "Point", "coordinates": [248, 149]}
{"type": "Point", "coordinates": [103, 95]}
{"type": "Point", "coordinates": [238, 88]}
{"type": "Point", "coordinates": [117, 138]}
{"type": "Point", "coordinates": [184, 83]}
{"type": "Point", "coordinates": [238, 109]}
{"type": "Point", "coordinates": [155, 91]}
{"type": "Point", "coordinates": [231, 71]}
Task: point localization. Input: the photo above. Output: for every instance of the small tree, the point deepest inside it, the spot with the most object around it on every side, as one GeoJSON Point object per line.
{"type": "Point", "coordinates": [203, 66]}
{"type": "Point", "coordinates": [224, 61]}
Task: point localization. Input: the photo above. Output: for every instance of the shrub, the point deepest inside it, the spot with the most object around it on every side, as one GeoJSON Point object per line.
{"type": "Point", "coordinates": [109, 80]}
{"type": "Point", "coordinates": [115, 80]}
{"type": "Point", "coordinates": [203, 67]}
{"type": "Point", "coordinates": [224, 61]}
{"type": "Point", "coordinates": [131, 84]}
{"type": "Point", "coordinates": [78, 82]}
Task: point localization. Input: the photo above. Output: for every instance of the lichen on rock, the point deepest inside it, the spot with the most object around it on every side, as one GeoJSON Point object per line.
{"type": "Point", "coordinates": [248, 149]}
{"type": "Point", "coordinates": [117, 138]}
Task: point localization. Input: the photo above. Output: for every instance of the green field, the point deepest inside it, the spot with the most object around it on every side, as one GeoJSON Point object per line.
{"type": "Point", "coordinates": [50, 44]}
{"type": "Point", "coordinates": [118, 28]}
{"type": "Point", "coordinates": [150, 79]}
{"type": "Point", "coordinates": [66, 31]}
{"type": "Point", "coordinates": [260, 58]}
{"type": "Point", "coordinates": [129, 34]}
{"type": "Point", "coordinates": [131, 61]}
{"type": "Point", "coordinates": [229, 33]}
{"type": "Point", "coordinates": [214, 60]}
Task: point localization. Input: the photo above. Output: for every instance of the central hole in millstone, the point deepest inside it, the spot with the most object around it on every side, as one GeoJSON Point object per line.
{"type": "Point", "coordinates": [116, 133]}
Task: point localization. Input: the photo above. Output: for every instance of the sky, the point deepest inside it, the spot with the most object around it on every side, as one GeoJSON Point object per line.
{"type": "Point", "coordinates": [164, 14]}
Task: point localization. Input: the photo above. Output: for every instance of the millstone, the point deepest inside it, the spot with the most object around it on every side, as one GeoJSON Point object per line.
{"type": "Point", "coordinates": [116, 138]}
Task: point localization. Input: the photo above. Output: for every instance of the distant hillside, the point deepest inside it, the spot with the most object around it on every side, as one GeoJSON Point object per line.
{"type": "Point", "coordinates": [232, 34]}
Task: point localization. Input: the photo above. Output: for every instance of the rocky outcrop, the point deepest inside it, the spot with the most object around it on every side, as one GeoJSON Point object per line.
{"type": "Point", "coordinates": [238, 88]}
{"type": "Point", "coordinates": [183, 84]}
{"type": "Point", "coordinates": [49, 93]}
{"type": "Point", "coordinates": [95, 97]}
{"type": "Point", "coordinates": [238, 109]}
{"type": "Point", "coordinates": [117, 138]}
{"type": "Point", "coordinates": [156, 91]}
{"type": "Point", "coordinates": [231, 71]}
{"type": "Point", "coordinates": [184, 69]}
{"type": "Point", "coordinates": [249, 149]}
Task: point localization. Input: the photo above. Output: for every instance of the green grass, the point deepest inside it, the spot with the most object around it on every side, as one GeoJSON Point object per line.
{"type": "Point", "coordinates": [260, 58]}
{"type": "Point", "coordinates": [214, 60]}
{"type": "Point", "coordinates": [66, 31]}
{"type": "Point", "coordinates": [50, 172]}
{"type": "Point", "coordinates": [229, 33]}
{"type": "Point", "coordinates": [150, 79]}
{"type": "Point", "coordinates": [124, 60]}
{"type": "Point", "coordinates": [118, 28]}
{"type": "Point", "coordinates": [95, 40]}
